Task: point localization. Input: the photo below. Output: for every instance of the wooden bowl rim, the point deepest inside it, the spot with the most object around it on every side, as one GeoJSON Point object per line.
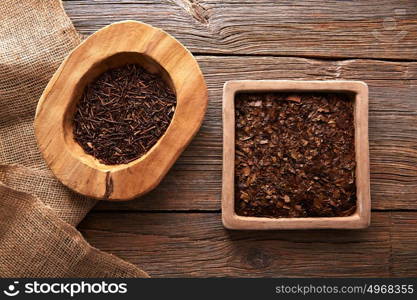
{"type": "Point", "coordinates": [361, 217]}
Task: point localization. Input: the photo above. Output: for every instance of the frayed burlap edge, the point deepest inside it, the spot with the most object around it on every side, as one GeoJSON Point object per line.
{"type": "Point", "coordinates": [37, 243]}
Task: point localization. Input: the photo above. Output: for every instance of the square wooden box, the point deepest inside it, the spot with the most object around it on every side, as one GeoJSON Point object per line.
{"type": "Point", "coordinates": [360, 219]}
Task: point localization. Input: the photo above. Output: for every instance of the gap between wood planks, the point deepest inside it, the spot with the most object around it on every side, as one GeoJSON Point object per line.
{"type": "Point", "coordinates": [171, 211]}
{"type": "Point", "coordinates": [313, 57]}
{"type": "Point", "coordinates": [210, 211]}
{"type": "Point", "coordinates": [197, 245]}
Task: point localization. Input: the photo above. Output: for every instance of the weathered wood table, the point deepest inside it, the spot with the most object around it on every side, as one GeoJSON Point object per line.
{"type": "Point", "coordinates": [176, 230]}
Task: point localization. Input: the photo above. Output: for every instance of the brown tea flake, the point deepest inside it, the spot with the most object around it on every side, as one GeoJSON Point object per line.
{"type": "Point", "coordinates": [300, 158]}
{"type": "Point", "coordinates": [122, 114]}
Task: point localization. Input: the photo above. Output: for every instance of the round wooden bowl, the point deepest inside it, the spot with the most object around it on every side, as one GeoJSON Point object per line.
{"type": "Point", "coordinates": [113, 46]}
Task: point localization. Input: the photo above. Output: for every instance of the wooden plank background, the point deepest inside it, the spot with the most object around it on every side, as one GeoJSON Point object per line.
{"type": "Point", "coordinates": [176, 229]}
{"type": "Point", "coordinates": [262, 27]}
{"type": "Point", "coordinates": [196, 244]}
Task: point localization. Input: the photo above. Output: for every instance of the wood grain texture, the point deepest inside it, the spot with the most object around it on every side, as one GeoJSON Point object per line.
{"type": "Point", "coordinates": [360, 218]}
{"type": "Point", "coordinates": [404, 246]}
{"type": "Point", "coordinates": [373, 29]}
{"type": "Point", "coordinates": [112, 47]}
{"type": "Point", "coordinates": [196, 244]}
{"type": "Point", "coordinates": [195, 180]}
{"type": "Point", "coordinates": [174, 244]}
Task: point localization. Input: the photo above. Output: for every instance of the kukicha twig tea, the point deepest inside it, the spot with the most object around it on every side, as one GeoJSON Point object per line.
{"type": "Point", "coordinates": [122, 114]}
{"type": "Point", "coordinates": [295, 155]}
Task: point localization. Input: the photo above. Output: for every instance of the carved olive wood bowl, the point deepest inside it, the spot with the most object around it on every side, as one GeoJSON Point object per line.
{"type": "Point", "coordinates": [114, 46]}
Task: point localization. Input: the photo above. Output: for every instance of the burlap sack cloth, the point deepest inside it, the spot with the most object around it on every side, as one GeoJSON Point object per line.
{"type": "Point", "coordinates": [37, 213]}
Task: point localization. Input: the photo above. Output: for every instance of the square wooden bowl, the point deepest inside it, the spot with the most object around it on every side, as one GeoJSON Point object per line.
{"type": "Point", "coordinates": [359, 92]}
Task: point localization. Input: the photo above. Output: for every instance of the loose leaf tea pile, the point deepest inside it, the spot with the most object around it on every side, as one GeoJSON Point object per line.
{"type": "Point", "coordinates": [295, 155]}
{"type": "Point", "coordinates": [122, 114]}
